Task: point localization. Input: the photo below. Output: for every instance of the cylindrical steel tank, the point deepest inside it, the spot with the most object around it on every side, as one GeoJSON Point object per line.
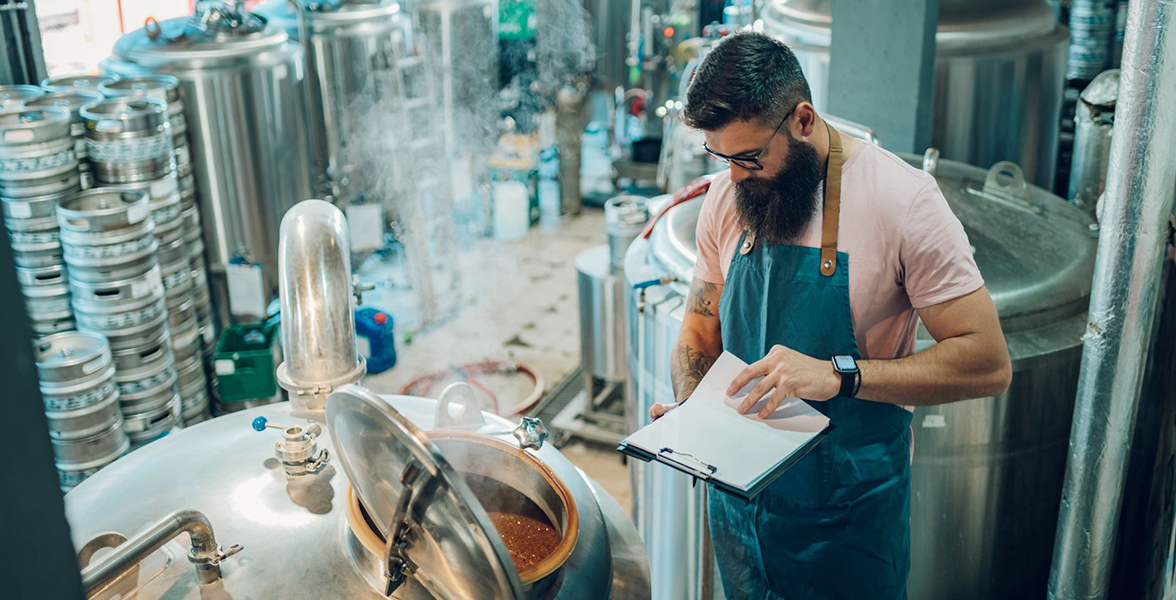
{"type": "Point", "coordinates": [299, 535]}
{"type": "Point", "coordinates": [999, 70]}
{"type": "Point", "coordinates": [241, 83]}
{"type": "Point", "coordinates": [345, 43]}
{"type": "Point", "coordinates": [987, 474]}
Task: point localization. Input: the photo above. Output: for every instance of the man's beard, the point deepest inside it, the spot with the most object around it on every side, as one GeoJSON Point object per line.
{"type": "Point", "coordinates": [779, 208]}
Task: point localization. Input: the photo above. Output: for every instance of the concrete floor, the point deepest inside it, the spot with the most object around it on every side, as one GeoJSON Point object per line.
{"type": "Point", "coordinates": [519, 303]}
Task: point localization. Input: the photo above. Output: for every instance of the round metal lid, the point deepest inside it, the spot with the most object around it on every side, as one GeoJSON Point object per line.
{"type": "Point", "coordinates": [331, 14]}
{"type": "Point", "coordinates": [72, 101]}
{"type": "Point", "coordinates": [60, 354]}
{"type": "Point", "coordinates": [1034, 250]}
{"type": "Point", "coordinates": [450, 545]}
{"type": "Point", "coordinates": [12, 95]}
{"type": "Point", "coordinates": [961, 22]}
{"type": "Point", "coordinates": [85, 81]}
{"type": "Point", "coordinates": [178, 41]}
{"type": "Point", "coordinates": [162, 87]}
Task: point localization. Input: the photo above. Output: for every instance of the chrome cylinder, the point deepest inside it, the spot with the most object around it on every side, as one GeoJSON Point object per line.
{"type": "Point", "coordinates": [36, 152]}
{"type": "Point", "coordinates": [128, 140]}
{"type": "Point", "coordinates": [1141, 183]}
{"type": "Point", "coordinates": [1094, 122]}
{"type": "Point", "coordinates": [160, 87]}
{"type": "Point", "coordinates": [624, 218]}
{"type": "Point", "coordinates": [72, 101]}
{"type": "Point", "coordinates": [318, 311]}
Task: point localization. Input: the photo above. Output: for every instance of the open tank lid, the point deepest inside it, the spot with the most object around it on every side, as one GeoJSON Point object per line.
{"type": "Point", "coordinates": [451, 547]}
{"type": "Point", "coordinates": [200, 38]}
{"type": "Point", "coordinates": [1034, 250]}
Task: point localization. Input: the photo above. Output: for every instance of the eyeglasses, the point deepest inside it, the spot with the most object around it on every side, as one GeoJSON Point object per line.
{"type": "Point", "coordinates": [751, 163]}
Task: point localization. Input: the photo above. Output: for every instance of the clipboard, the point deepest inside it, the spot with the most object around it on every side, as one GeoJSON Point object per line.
{"type": "Point", "coordinates": [738, 454]}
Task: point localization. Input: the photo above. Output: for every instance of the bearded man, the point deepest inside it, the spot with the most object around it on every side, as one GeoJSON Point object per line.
{"type": "Point", "coordinates": [817, 257]}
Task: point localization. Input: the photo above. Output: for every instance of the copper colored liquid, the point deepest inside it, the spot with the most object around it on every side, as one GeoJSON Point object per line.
{"type": "Point", "coordinates": [528, 540]}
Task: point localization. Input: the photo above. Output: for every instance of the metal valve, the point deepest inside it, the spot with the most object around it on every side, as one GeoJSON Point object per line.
{"type": "Point", "coordinates": [298, 450]}
{"type": "Point", "coordinates": [530, 433]}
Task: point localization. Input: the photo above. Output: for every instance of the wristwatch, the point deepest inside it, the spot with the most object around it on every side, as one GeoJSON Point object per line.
{"type": "Point", "coordinates": [846, 366]}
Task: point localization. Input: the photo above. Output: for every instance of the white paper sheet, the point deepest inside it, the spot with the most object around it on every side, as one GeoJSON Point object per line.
{"type": "Point", "coordinates": [743, 448]}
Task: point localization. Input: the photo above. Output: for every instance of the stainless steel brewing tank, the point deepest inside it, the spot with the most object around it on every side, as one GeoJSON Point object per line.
{"type": "Point", "coordinates": [296, 538]}
{"type": "Point", "coordinates": [246, 114]}
{"type": "Point", "coordinates": [987, 473]}
{"type": "Point", "coordinates": [346, 44]}
{"type": "Point", "coordinates": [999, 71]}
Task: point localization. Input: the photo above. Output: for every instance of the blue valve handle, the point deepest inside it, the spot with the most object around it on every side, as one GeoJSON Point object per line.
{"type": "Point", "coordinates": [259, 424]}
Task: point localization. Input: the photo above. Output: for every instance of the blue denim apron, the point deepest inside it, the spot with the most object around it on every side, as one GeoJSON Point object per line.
{"type": "Point", "coordinates": [837, 524]}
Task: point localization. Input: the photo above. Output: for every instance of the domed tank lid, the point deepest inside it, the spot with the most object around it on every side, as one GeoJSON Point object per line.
{"type": "Point", "coordinates": [215, 32]}
{"type": "Point", "coordinates": [1034, 250]}
{"type": "Point", "coordinates": [448, 542]}
{"type": "Point", "coordinates": [330, 13]}
{"type": "Point", "coordinates": [964, 22]}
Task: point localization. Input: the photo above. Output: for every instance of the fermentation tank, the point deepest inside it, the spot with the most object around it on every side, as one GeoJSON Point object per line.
{"type": "Point", "coordinates": [987, 473]}
{"type": "Point", "coordinates": [999, 70]}
{"type": "Point", "coordinates": [246, 113]}
{"type": "Point", "coordinates": [349, 43]}
{"type": "Point", "coordinates": [307, 530]}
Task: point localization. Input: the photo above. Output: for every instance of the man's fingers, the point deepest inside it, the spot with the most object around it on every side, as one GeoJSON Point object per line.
{"type": "Point", "coordinates": [657, 410]}
{"type": "Point", "coordinates": [772, 404]}
{"type": "Point", "coordinates": [756, 369]}
{"type": "Point", "coordinates": [759, 391]}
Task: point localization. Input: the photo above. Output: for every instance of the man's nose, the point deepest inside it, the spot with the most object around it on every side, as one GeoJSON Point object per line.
{"type": "Point", "coordinates": [738, 173]}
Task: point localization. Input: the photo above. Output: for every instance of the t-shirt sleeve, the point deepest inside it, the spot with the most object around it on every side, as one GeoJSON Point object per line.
{"type": "Point", "coordinates": [708, 267]}
{"type": "Point", "coordinates": [935, 255]}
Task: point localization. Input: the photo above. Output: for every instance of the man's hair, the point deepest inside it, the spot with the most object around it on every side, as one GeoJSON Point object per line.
{"type": "Point", "coordinates": [747, 76]}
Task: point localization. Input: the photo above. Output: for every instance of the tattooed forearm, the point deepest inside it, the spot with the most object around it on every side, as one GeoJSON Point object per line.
{"type": "Point", "coordinates": [702, 300]}
{"type": "Point", "coordinates": [687, 369]}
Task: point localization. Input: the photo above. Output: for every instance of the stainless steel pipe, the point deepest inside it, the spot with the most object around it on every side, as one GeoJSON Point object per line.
{"type": "Point", "coordinates": [317, 303]}
{"type": "Point", "coordinates": [1132, 244]}
{"type": "Point", "coordinates": [205, 553]}
{"type": "Point", "coordinates": [1094, 122]}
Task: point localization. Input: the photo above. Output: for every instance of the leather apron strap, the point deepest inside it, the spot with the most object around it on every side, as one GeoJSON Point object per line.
{"type": "Point", "coordinates": [832, 211]}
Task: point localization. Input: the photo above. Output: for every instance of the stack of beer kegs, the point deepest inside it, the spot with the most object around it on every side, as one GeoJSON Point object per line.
{"type": "Point", "coordinates": [81, 81]}
{"type": "Point", "coordinates": [72, 101]}
{"type": "Point", "coordinates": [76, 374]}
{"type": "Point", "coordinates": [177, 230]}
{"type": "Point", "coordinates": [108, 238]}
{"type": "Point", "coordinates": [38, 168]}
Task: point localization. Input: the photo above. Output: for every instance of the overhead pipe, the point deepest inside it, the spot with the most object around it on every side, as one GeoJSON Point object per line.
{"type": "Point", "coordinates": [1132, 245]}
{"type": "Point", "coordinates": [317, 303]}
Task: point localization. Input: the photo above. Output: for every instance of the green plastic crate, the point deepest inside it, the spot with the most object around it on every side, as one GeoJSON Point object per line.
{"type": "Point", "coordinates": [246, 362]}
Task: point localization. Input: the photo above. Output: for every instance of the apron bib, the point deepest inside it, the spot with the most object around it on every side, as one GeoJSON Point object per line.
{"type": "Point", "coordinates": [837, 524]}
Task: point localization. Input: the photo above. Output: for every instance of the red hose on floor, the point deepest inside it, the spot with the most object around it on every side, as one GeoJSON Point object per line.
{"type": "Point", "coordinates": [422, 384]}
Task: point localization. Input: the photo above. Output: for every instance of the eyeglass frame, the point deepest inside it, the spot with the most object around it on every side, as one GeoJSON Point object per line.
{"type": "Point", "coordinates": [752, 163]}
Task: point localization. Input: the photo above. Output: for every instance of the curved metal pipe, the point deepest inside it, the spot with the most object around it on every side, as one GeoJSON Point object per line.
{"type": "Point", "coordinates": [318, 311]}
{"type": "Point", "coordinates": [1132, 243]}
{"type": "Point", "coordinates": [205, 552]}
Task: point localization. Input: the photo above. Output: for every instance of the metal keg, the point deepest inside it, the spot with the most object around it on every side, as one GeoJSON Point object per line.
{"type": "Point", "coordinates": [46, 293]}
{"type": "Point", "coordinates": [624, 218]}
{"type": "Point", "coordinates": [138, 334]}
{"type": "Point", "coordinates": [81, 81]}
{"type": "Point", "coordinates": [75, 370]}
{"type": "Point", "coordinates": [149, 426]}
{"type": "Point", "coordinates": [78, 459]}
{"type": "Point", "coordinates": [147, 395]}
{"type": "Point", "coordinates": [77, 384]}
{"type": "Point", "coordinates": [36, 248]}
{"type": "Point", "coordinates": [72, 101]}
{"type": "Point", "coordinates": [161, 87]}
{"type": "Point", "coordinates": [118, 305]}
{"type": "Point", "coordinates": [128, 140]}
{"type": "Point", "coordinates": [194, 409]}
{"type": "Point", "coordinates": [105, 231]}
{"type": "Point", "coordinates": [176, 270]}
{"type": "Point", "coordinates": [14, 95]}
{"type": "Point", "coordinates": [187, 185]}
{"type": "Point", "coordinates": [36, 152]}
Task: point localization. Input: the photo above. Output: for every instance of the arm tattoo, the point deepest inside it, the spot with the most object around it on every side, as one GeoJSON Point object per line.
{"type": "Point", "coordinates": [688, 368]}
{"type": "Point", "coordinates": [702, 298]}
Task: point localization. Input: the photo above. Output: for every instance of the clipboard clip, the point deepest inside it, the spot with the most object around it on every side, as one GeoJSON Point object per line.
{"type": "Point", "coordinates": [687, 462]}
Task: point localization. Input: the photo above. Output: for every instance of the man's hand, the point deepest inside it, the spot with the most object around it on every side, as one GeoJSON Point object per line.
{"type": "Point", "coordinates": [657, 410]}
{"type": "Point", "coordinates": [789, 373]}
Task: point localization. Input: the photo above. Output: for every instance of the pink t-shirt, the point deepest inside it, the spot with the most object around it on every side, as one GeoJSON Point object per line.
{"type": "Point", "coordinates": [906, 248]}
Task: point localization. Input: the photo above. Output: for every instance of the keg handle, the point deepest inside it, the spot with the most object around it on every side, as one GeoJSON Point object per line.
{"type": "Point", "coordinates": [470, 416]}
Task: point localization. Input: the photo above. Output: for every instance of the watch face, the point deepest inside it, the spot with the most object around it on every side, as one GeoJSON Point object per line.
{"type": "Point", "coordinates": [844, 363]}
